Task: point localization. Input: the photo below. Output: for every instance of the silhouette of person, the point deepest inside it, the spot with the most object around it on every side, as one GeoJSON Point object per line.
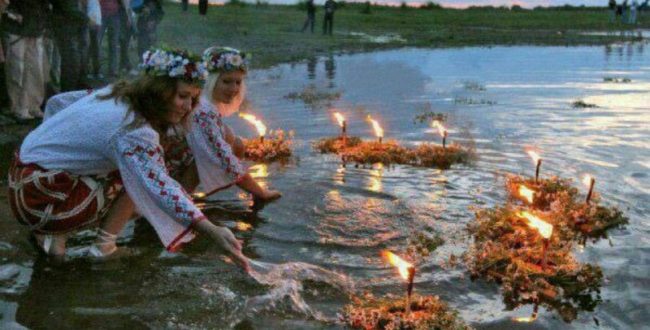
{"type": "Point", "coordinates": [203, 7]}
{"type": "Point", "coordinates": [328, 21]}
{"type": "Point", "coordinates": [311, 16]}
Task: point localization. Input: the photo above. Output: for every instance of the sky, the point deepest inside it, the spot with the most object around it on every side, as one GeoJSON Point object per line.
{"type": "Point", "coordinates": [462, 3]}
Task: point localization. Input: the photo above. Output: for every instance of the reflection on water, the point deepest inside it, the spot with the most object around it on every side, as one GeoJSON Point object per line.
{"type": "Point", "coordinates": [338, 218]}
{"type": "Point", "coordinates": [375, 177]}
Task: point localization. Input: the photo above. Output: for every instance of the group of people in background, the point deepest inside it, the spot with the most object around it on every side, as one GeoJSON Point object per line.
{"type": "Point", "coordinates": [52, 46]}
{"type": "Point", "coordinates": [328, 18]}
{"type": "Point", "coordinates": [627, 13]}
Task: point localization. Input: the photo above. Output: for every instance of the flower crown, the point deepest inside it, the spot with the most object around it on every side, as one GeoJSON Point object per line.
{"type": "Point", "coordinates": [174, 63]}
{"type": "Point", "coordinates": [223, 59]}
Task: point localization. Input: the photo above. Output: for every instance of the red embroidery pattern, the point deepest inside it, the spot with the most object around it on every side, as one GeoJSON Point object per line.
{"type": "Point", "coordinates": [209, 122]}
{"type": "Point", "coordinates": [173, 197]}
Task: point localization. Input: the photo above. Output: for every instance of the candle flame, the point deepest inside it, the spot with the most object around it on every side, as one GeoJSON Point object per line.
{"type": "Point", "coordinates": [441, 129]}
{"type": "Point", "coordinates": [259, 125]}
{"type": "Point", "coordinates": [525, 319]}
{"type": "Point", "coordinates": [402, 265]}
{"type": "Point", "coordinates": [339, 118]}
{"type": "Point", "coordinates": [243, 226]}
{"type": "Point", "coordinates": [544, 228]}
{"type": "Point", "coordinates": [534, 155]}
{"type": "Point", "coordinates": [587, 180]}
{"type": "Point", "coordinates": [198, 195]}
{"type": "Point", "coordinates": [526, 193]}
{"type": "Point", "coordinates": [379, 132]}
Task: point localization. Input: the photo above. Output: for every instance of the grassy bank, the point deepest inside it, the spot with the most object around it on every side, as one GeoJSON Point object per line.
{"type": "Point", "coordinates": [272, 32]}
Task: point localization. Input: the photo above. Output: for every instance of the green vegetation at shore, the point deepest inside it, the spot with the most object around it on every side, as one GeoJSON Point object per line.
{"type": "Point", "coordinates": [272, 32]}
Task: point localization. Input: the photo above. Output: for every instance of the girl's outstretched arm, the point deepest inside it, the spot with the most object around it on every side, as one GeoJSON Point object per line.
{"type": "Point", "coordinates": [225, 239]}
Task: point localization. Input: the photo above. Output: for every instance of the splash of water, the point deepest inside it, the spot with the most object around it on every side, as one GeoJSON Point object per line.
{"type": "Point", "coordinates": [286, 287]}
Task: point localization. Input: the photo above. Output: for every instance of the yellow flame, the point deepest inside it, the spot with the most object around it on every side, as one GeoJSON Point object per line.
{"type": "Point", "coordinates": [259, 125]}
{"type": "Point", "coordinates": [544, 228]}
{"type": "Point", "coordinates": [441, 129]}
{"type": "Point", "coordinates": [526, 193]}
{"type": "Point", "coordinates": [379, 132]}
{"type": "Point", "coordinates": [402, 265]}
{"type": "Point", "coordinates": [525, 319]}
{"type": "Point", "coordinates": [587, 180]}
{"type": "Point", "coordinates": [198, 195]}
{"type": "Point", "coordinates": [243, 226]}
{"type": "Point", "coordinates": [339, 118]}
{"type": "Point", "coordinates": [534, 155]}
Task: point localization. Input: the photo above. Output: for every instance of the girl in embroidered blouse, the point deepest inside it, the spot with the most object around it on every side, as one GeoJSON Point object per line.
{"type": "Point", "coordinates": [101, 159]}
{"type": "Point", "coordinates": [223, 94]}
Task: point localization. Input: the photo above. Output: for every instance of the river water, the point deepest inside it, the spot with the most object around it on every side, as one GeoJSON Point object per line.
{"type": "Point", "coordinates": [322, 240]}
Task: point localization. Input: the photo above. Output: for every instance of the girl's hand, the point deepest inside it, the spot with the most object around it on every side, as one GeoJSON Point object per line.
{"type": "Point", "coordinates": [270, 195]}
{"type": "Point", "coordinates": [225, 238]}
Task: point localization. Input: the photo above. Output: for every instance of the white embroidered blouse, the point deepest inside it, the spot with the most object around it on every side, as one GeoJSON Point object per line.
{"type": "Point", "coordinates": [84, 135]}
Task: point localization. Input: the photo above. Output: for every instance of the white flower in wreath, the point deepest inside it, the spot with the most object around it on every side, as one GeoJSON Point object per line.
{"type": "Point", "coordinates": [236, 60]}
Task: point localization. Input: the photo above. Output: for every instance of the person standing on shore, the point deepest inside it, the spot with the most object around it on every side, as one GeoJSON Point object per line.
{"type": "Point", "coordinates": [69, 23]}
{"type": "Point", "coordinates": [328, 20]}
{"type": "Point", "coordinates": [612, 11]}
{"type": "Point", "coordinates": [203, 7]}
{"type": "Point", "coordinates": [24, 24]}
{"type": "Point", "coordinates": [184, 5]}
{"type": "Point", "coordinates": [311, 16]}
{"type": "Point", "coordinates": [633, 10]}
{"type": "Point", "coordinates": [4, 98]}
{"type": "Point", "coordinates": [148, 17]}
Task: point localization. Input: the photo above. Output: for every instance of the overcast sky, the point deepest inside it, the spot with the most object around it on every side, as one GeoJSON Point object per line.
{"type": "Point", "coordinates": [465, 3]}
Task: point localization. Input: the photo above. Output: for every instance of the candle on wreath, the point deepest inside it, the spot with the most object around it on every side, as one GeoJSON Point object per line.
{"type": "Point", "coordinates": [259, 125]}
{"type": "Point", "coordinates": [441, 130]}
{"type": "Point", "coordinates": [406, 270]}
{"type": "Point", "coordinates": [544, 228]}
{"type": "Point", "coordinates": [526, 193]}
{"type": "Point", "coordinates": [589, 181]}
{"type": "Point", "coordinates": [341, 120]}
{"type": "Point", "coordinates": [379, 132]}
{"type": "Point", "coordinates": [538, 163]}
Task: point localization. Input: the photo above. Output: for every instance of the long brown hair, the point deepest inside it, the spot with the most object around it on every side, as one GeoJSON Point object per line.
{"type": "Point", "coordinates": [148, 97]}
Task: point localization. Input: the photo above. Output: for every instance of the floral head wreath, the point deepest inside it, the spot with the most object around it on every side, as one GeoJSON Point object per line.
{"type": "Point", "coordinates": [224, 59]}
{"type": "Point", "coordinates": [174, 63]}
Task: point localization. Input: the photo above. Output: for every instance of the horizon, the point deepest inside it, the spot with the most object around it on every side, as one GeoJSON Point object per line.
{"type": "Point", "coordinates": [459, 4]}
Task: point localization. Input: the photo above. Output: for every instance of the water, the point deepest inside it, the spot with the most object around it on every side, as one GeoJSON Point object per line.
{"type": "Point", "coordinates": [322, 240]}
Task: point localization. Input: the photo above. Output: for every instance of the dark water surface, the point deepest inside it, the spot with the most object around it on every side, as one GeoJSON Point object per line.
{"type": "Point", "coordinates": [501, 99]}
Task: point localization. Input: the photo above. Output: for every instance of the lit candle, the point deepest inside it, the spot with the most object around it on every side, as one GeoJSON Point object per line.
{"type": "Point", "coordinates": [441, 130]}
{"type": "Point", "coordinates": [406, 270]}
{"type": "Point", "coordinates": [341, 120]}
{"type": "Point", "coordinates": [544, 228]}
{"type": "Point", "coordinates": [538, 163]}
{"type": "Point", "coordinates": [259, 125]}
{"type": "Point", "coordinates": [379, 132]}
{"type": "Point", "coordinates": [589, 181]}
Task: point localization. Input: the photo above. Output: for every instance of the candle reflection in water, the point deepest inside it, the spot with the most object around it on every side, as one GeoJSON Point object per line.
{"type": "Point", "coordinates": [339, 175]}
{"type": "Point", "coordinates": [376, 174]}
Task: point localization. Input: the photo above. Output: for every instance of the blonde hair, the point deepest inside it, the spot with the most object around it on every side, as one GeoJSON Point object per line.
{"type": "Point", "coordinates": [208, 93]}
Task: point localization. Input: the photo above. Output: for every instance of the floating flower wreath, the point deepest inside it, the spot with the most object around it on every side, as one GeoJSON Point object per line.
{"type": "Point", "coordinates": [223, 59]}
{"type": "Point", "coordinates": [174, 63]}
